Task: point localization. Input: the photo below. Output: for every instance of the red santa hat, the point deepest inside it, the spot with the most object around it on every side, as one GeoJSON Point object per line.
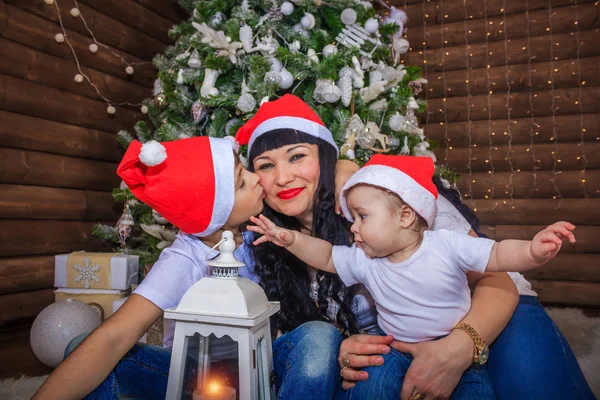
{"type": "Point", "coordinates": [190, 182]}
{"type": "Point", "coordinates": [409, 177]}
{"type": "Point", "coordinates": [286, 112]}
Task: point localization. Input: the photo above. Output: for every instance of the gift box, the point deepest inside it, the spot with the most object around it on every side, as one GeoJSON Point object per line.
{"type": "Point", "coordinates": [85, 270]}
{"type": "Point", "coordinates": [102, 301]}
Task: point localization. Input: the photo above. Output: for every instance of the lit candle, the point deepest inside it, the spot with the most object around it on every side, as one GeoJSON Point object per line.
{"type": "Point", "coordinates": [215, 391]}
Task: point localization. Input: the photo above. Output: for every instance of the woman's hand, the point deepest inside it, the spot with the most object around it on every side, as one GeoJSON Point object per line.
{"type": "Point", "coordinates": [437, 366]}
{"type": "Point", "coordinates": [360, 351]}
{"type": "Point", "coordinates": [271, 232]}
{"type": "Point", "coordinates": [344, 169]}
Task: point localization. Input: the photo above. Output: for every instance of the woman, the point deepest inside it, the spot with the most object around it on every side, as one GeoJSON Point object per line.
{"type": "Point", "coordinates": [294, 155]}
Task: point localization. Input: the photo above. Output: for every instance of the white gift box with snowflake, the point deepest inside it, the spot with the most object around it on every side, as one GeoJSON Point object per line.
{"type": "Point", "coordinates": [84, 270]}
{"type": "Point", "coordinates": [101, 280]}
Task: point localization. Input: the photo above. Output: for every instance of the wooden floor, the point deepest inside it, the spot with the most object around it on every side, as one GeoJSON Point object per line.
{"type": "Point", "coordinates": [16, 357]}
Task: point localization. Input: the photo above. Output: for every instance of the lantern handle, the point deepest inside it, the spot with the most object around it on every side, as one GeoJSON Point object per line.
{"type": "Point", "coordinates": [223, 240]}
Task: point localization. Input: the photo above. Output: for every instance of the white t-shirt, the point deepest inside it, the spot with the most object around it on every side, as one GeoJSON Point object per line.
{"type": "Point", "coordinates": [425, 296]}
{"type": "Point", "coordinates": [180, 266]}
{"type": "Point", "coordinates": [448, 217]}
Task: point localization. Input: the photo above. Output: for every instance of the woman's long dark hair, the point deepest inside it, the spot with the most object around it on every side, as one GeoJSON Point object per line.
{"type": "Point", "coordinates": [283, 276]}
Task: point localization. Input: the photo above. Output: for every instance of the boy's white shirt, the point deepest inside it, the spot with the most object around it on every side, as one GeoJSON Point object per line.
{"type": "Point", "coordinates": [449, 218]}
{"type": "Point", "coordinates": [425, 296]}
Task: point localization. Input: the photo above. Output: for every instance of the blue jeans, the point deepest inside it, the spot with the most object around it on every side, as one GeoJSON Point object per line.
{"type": "Point", "coordinates": [529, 360]}
{"type": "Point", "coordinates": [385, 381]}
{"type": "Point", "coordinates": [305, 361]}
{"type": "Point", "coordinates": [532, 360]}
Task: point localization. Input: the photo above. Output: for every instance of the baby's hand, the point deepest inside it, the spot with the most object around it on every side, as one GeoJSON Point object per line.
{"type": "Point", "coordinates": [547, 243]}
{"type": "Point", "coordinates": [271, 232]}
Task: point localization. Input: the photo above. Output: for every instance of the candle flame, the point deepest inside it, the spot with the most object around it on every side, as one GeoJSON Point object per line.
{"type": "Point", "coordinates": [214, 388]}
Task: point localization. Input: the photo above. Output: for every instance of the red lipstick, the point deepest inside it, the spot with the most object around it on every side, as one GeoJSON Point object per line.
{"type": "Point", "coordinates": [290, 193]}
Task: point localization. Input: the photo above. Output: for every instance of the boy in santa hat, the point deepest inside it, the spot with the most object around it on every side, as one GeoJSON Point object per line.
{"type": "Point", "coordinates": [416, 276]}
{"type": "Point", "coordinates": [199, 186]}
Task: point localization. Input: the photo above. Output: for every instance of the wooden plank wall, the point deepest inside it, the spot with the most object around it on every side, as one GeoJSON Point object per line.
{"type": "Point", "coordinates": [512, 98]}
{"type": "Point", "coordinates": [58, 152]}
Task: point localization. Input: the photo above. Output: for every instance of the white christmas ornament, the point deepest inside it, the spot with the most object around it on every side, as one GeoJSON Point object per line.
{"type": "Point", "coordinates": [264, 100]}
{"type": "Point", "coordinates": [399, 17]}
{"type": "Point", "coordinates": [144, 109]}
{"type": "Point", "coordinates": [246, 102]}
{"type": "Point", "coordinates": [345, 85]}
{"type": "Point", "coordinates": [312, 56]}
{"type": "Point", "coordinates": [152, 153]}
{"type": "Point", "coordinates": [157, 87]}
{"type": "Point", "coordinates": [129, 69]}
{"type": "Point", "coordinates": [308, 21]}
{"type": "Point", "coordinates": [78, 78]}
{"type": "Point", "coordinates": [49, 2]}
{"type": "Point", "coordinates": [276, 65]}
{"type": "Point", "coordinates": [59, 37]}
{"type": "Point", "coordinates": [123, 185]}
{"type": "Point", "coordinates": [420, 149]}
{"type": "Point", "coordinates": [111, 110]}
{"type": "Point", "coordinates": [287, 8]}
{"type": "Point", "coordinates": [405, 150]}
{"type": "Point", "coordinates": [208, 88]}
{"type": "Point", "coordinates": [397, 122]}
{"type": "Point", "coordinates": [273, 78]}
{"type": "Point", "coordinates": [93, 47]}
{"type": "Point", "coordinates": [349, 16]}
{"type": "Point", "coordinates": [180, 77]}
{"type": "Point", "coordinates": [329, 50]}
{"type": "Point", "coordinates": [246, 38]}
{"type": "Point", "coordinates": [389, 74]}
{"type": "Point", "coordinates": [372, 25]}
{"type": "Point", "coordinates": [57, 325]}
{"type": "Point", "coordinates": [287, 79]}
{"type": "Point", "coordinates": [198, 111]}
{"type": "Point", "coordinates": [218, 40]}
{"type": "Point", "coordinates": [194, 60]}
{"type": "Point", "coordinates": [412, 104]}
{"type": "Point", "coordinates": [75, 12]}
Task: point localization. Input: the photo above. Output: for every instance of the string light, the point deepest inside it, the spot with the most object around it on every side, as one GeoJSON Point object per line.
{"type": "Point", "coordinates": [469, 127]}
{"type": "Point", "coordinates": [582, 155]}
{"type": "Point", "coordinates": [491, 170]}
{"type": "Point", "coordinates": [508, 108]}
{"type": "Point", "coordinates": [63, 37]}
{"type": "Point", "coordinates": [533, 126]}
{"type": "Point", "coordinates": [444, 82]}
{"type": "Point", "coordinates": [555, 173]}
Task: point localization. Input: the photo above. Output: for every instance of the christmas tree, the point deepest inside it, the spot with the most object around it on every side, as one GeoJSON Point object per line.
{"type": "Point", "coordinates": [340, 56]}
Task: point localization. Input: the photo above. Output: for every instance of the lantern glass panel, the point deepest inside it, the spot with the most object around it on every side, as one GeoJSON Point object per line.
{"type": "Point", "coordinates": [211, 368]}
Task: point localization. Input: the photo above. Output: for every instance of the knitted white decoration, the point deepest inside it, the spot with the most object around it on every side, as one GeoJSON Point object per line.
{"type": "Point", "coordinates": [152, 153]}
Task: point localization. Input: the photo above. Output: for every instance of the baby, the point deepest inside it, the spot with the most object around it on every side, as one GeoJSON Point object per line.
{"type": "Point", "coordinates": [416, 276]}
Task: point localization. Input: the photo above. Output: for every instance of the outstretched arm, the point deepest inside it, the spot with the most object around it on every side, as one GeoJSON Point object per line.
{"type": "Point", "coordinates": [314, 252]}
{"type": "Point", "coordinates": [523, 255]}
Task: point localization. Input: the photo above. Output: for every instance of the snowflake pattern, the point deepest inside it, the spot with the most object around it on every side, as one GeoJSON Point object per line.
{"type": "Point", "coordinates": [87, 273]}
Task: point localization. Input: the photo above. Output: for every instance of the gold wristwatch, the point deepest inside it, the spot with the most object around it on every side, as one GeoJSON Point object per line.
{"type": "Point", "coordinates": [481, 353]}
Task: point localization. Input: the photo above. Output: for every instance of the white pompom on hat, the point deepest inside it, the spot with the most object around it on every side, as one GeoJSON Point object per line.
{"type": "Point", "coordinates": [190, 182]}
{"type": "Point", "coordinates": [410, 177]}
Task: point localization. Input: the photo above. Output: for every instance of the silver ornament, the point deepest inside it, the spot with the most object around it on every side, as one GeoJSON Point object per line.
{"type": "Point", "coordinates": [198, 111]}
{"type": "Point", "coordinates": [246, 103]}
{"type": "Point", "coordinates": [273, 78]}
{"type": "Point", "coordinates": [397, 122]}
{"type": "Point", "coordinates": [159, 218]}
{"type": "Point", "coordinates": [124, 225]}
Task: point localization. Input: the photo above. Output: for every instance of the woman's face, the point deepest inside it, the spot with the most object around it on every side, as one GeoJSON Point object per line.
{"type": "Point", "coordinates": [290, 176]}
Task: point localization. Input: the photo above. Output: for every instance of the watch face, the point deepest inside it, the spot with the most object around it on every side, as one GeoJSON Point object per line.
{"type": "Point", "coordinates": [483, 355]}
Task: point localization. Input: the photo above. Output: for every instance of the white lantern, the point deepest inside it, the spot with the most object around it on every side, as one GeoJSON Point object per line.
{"type": "Point", "coordinates": [214, 307]}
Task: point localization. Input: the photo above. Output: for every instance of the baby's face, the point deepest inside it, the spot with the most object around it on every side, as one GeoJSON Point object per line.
{"type": "Point", "coordinates": [249, 197]}
{"type": "Point", "coordinates": [376, 226]}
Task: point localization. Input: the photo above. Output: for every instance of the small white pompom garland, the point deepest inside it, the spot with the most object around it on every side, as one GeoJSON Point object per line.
{"type": "Point", "coordinates": [153, 153]}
